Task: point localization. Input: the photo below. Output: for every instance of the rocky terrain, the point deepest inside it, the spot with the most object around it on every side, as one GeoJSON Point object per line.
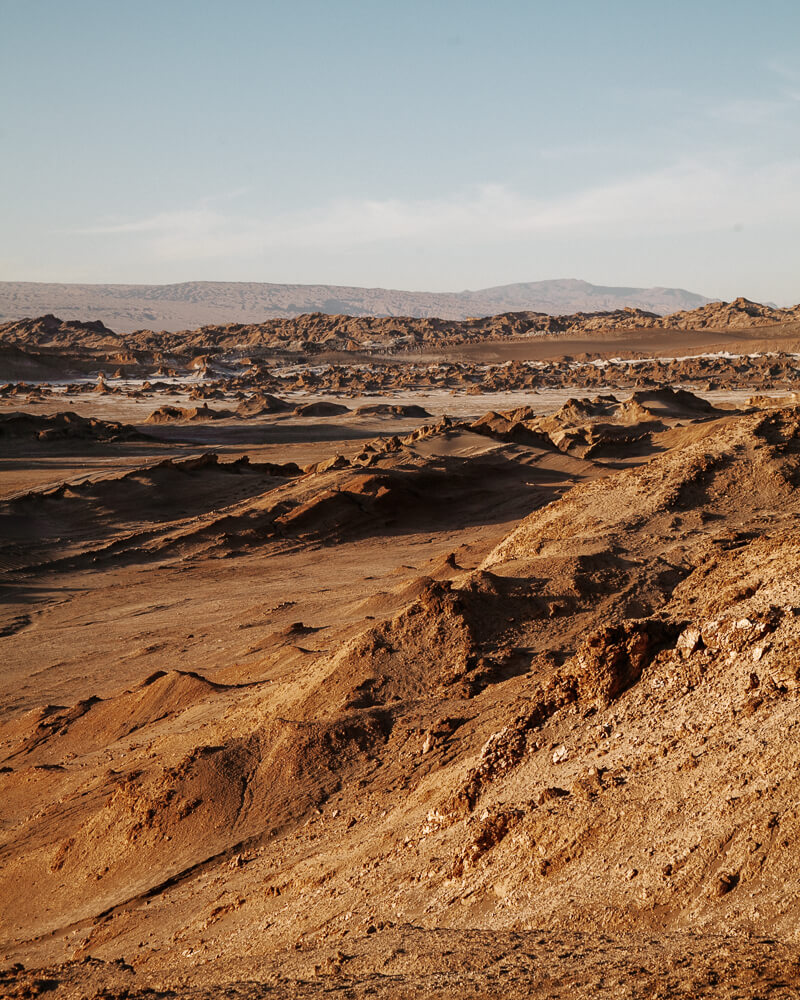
{"type": "Point", "coordinates": [194, 303]}
{"type": "Point", "coordinates": [312, 689]}
{"type": "Point", "coordinates": [321, 331]}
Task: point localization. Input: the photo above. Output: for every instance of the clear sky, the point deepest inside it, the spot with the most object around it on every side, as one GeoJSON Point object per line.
{"type": "Point", "coordinates": [435, 145]}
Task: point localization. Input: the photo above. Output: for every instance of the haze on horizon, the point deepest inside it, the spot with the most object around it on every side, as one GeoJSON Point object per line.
{"type": "Point", "coordinates": [430, 147]}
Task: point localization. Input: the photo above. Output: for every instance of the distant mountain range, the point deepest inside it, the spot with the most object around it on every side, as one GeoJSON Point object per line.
{"type": "Point", "coordinates": [196, 303]}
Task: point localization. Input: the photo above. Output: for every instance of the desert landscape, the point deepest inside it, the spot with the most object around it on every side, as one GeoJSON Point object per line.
{"type": "Point", "coordinates": [402, 657]}
{"type": "Point", "coordinates": [191, 303]}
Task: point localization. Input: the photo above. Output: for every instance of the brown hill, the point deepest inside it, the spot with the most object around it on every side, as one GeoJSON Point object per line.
{"type": "Point", "coordinates": [178, 414]}
{"type": "Point", "coordinates": [66, 426]}
{"type": "Point", "coordinates": [50, 331]}
{"type": "Point", "coordinates": [262, 402]}
{"type": "Point", "coordinates": [740, 314]}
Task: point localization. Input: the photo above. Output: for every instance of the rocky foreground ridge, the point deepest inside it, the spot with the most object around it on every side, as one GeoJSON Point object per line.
{"type": "Point", "coordinates": [588, 736]}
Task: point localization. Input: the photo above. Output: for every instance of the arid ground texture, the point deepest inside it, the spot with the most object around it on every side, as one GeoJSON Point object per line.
{"type": "Point", "coordinates": [352, 657]}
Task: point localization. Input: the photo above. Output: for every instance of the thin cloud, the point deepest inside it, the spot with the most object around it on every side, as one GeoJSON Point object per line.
{"type": "Point", "coordinates": [753, 111]}
{"type": "Point", "coordinates": [685, 198]}
{"type": "Point", "coordinates": [789, 75]}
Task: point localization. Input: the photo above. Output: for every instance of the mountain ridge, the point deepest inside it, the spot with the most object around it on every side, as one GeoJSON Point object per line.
{"type": "Point", "coordinates": [196, 303]}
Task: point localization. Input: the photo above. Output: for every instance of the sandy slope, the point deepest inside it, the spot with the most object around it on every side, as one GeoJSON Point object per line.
{"type": "Point", "coordinates": [506, 706]}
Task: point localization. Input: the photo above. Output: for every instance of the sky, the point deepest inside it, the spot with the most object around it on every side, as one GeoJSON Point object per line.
{"type": "Point", "coordinates": [438, 145]}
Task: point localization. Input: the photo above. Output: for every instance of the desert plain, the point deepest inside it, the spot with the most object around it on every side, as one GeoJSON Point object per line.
{"type": "Point", "coordinates": [390, 658]}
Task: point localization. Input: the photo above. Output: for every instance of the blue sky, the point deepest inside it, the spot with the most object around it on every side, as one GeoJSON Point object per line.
{"type": "Point", "coordinates": [440, 145]}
